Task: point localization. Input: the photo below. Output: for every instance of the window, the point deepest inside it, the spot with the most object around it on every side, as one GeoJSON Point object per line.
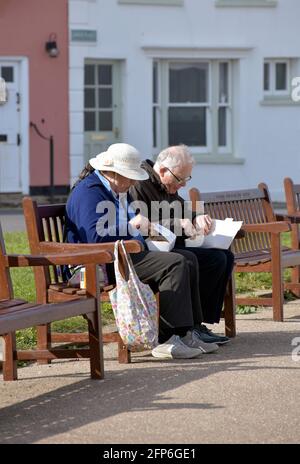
{"type": "Point", "coordinates": [276, 77]}
{"type": "Point", "coordinates": [192, 105]}
{"type": "Point", "coordinates": [7, 73]}
{"type": "Point", "coordinates": [153, 2]}
{"type": "Point", "coordinates": [98, 111]}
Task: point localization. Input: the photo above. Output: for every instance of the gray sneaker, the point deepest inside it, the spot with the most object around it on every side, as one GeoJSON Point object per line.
{"type": "Point", "coordinates": [174, 348]}
{"type": "Point", "coordinates": [193, 340]}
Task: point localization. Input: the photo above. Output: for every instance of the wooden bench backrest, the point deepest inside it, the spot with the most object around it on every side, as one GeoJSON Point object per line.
{"type": "Point", "coordinates": [250, 206]}
{"type": "Point", "coordinates": [6, 289]}
{"type": "Point", "coordinates": [292, 195]}
{"type": "Point", "coordinates": [44, 223]}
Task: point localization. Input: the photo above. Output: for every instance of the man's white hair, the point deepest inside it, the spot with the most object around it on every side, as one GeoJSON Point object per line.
{"type": "Point", "coordinates": [175, 156]}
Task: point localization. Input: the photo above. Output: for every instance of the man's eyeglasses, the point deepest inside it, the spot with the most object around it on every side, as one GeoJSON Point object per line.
{"type": "Point", "coordinates": [179, 181]}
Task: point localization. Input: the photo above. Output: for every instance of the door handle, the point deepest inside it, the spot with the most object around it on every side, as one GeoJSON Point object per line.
{"type": "Point", "coordinates": [116, 132]}
{"type": "Point", "coordinates": [18, 140]}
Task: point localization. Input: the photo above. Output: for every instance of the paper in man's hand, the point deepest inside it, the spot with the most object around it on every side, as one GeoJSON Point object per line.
{"type": "Point", "coordinates": [221, 235]}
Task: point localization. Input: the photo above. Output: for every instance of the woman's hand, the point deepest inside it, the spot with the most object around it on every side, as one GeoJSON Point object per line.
{"type": "Point", "coordinates": [141, 223]}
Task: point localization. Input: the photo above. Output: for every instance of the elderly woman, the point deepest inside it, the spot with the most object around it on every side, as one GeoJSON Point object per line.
{"type": "Point", "coordinates": [171, 171]}
{"type": "Point", "coordinates": [97, 211]}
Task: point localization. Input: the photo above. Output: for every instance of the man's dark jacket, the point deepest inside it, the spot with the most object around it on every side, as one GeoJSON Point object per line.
{"type": "Point", "coordinates": [152, 189]}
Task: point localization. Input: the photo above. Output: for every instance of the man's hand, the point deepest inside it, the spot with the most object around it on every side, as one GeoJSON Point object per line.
{"type": "Point", "coordinates": [188, 227]}
{"type": "Point", "coordinates": [141, 223]}
{"type": "Point", "coordinates": [203, 224]}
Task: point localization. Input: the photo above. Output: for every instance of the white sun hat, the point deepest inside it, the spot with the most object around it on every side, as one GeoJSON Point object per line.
{"type": "Point", "coordinates": [121, 158]}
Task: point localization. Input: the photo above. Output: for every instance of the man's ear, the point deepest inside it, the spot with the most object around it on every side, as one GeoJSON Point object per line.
{"type": "Point", "coordinates": [162, 171]}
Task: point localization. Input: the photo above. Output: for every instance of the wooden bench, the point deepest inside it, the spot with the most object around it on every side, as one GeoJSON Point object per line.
{"type": "Point", "coordinates": [292, 196]}
{"type": "Point", "coordinates": [16, 314]}
{"type": "Point", "coordinates": [260, 250]}
{"type": "Point", "coordinates": [44, 224]}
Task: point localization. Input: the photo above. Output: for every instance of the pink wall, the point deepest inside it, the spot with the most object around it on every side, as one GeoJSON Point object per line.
{"type": "Point", "coordinates": [25, 26]}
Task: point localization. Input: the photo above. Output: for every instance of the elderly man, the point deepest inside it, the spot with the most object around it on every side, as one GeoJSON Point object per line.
{"type": "Point", "coordinates": [171, 171]}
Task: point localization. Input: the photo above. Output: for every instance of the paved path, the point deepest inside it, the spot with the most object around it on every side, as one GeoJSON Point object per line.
{"type": "Point", "coordinates": [248, 392]}
{"type": "Point", "coordinates": [12, 220]}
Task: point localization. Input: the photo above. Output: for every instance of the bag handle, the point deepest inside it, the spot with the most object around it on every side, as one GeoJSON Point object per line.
{"type": "Point", "coordinates": [121, 264]}
{"type": "Point", "coordinates": [129, 262]}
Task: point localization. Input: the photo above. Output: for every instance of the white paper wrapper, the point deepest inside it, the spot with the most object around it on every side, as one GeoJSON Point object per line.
{"type": "Point", "coordinates": [194, 242]}
{"type": "Point", "coordinates": [157, 245]}
{"type": "Point", "coordinates": [221, 236]}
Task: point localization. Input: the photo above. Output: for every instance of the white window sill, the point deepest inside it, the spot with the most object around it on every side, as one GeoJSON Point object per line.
{"type": "Point", "coordinates": [152, 2]}
{"type": "Point", "coordinates": [246, 3]}
{"type": "Point", "coordinates": [278, 101]}
{"type": "Point", "coordinates": [220, 159]}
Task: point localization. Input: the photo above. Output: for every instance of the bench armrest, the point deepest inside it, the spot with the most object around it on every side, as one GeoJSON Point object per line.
{"type": "Point", "coordinates": [132, 246]}
{"type": "Point", "coordinates": [272, 227]}
{"type": "Point", "coordinates": [90, 257]}
{"type": "Point", "coordinates": [292, 218]}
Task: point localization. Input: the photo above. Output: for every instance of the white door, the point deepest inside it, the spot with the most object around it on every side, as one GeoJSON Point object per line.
{"type": "Point", "coordinates": [10, 137]}
{"type": "Point", "coordinates": [102, 106]}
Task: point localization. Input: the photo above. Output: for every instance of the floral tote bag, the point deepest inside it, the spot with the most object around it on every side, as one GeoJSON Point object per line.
{"type": "Point", "coordinates": [134, 304]}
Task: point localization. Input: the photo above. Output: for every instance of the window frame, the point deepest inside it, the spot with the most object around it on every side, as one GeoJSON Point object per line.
{"type": "Point", "coordinates": [273, 92]}
{"type": "Point", "coordinates": [152, 2]}
{"type": "Point", "coordinates": [246, 3]}
{"type": "Point", "coordinates": [212, 148]}
{"type": "Point", "coordinates": [97, 109]}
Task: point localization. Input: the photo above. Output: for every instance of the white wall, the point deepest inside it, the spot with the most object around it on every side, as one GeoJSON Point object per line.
{"type": "Point", "coordinates": [267, 138]}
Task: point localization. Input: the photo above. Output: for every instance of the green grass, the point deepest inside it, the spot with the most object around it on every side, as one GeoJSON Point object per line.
{"type": "Point", "coordinates": [248, 282]}
{"type": "Point", "coordinates": [24, 287]}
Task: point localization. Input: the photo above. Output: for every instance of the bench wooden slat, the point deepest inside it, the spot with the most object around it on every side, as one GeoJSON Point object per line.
{"type": "Point", "coordinates": [43, 314]}
{"type": "Point", "coordinates": [231, 195]}
{"type": "Point", "coordinates": [17, 308]}
{"type": "Point", "coordinates": [8, 303]}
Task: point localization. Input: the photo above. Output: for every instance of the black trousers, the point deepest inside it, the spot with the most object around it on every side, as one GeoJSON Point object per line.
{"type": "Point", "coordinates": [191, 283]}
{"type": "Point", "coordinates": [175, 276]}
{"type": "Point", "coordinates": [215, 267]}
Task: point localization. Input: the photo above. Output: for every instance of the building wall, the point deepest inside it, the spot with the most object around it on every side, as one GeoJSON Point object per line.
{"type": "Point", "coordinates": [266, 137]}
{"type": "Point", "coordinates": [25, 27]}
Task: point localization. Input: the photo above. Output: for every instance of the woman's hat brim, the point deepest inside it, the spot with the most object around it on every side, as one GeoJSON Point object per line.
{"type": "Point", "coordinates": [134, 174]}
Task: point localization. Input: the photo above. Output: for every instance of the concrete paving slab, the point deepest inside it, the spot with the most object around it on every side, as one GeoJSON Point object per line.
{"type": "Point", "coordinates": [247, 392]}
